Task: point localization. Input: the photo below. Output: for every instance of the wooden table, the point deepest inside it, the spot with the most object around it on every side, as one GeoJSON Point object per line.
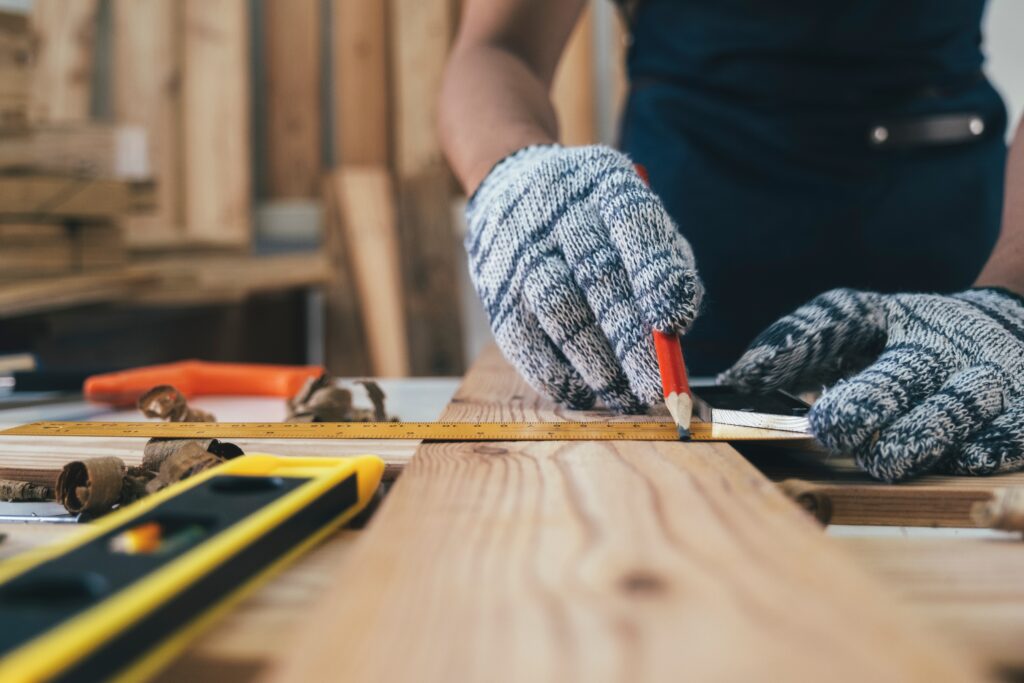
{"type": "Point", "coordinates": [617, 560]}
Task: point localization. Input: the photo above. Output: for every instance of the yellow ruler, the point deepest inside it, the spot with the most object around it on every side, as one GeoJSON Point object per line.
{"type": "Point", "coordinates": [433, 431]}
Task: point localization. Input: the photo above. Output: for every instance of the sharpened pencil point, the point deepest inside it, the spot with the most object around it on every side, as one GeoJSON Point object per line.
{"type": "Point", "coordinates": [684, 433]}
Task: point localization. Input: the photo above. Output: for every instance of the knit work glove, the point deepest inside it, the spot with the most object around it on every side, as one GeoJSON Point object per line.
{"type": "Point", "coordinates": [576, 261]}
{"type": "Point", "coordinates": [943, 387]}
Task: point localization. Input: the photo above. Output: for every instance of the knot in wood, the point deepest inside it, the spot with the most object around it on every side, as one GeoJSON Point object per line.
{"type": "Point", "coordinates": [642, 583]}
{"type": "Point", "coordinates": [490, 450]}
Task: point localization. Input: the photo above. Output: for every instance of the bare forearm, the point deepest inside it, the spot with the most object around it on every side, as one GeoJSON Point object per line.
{"type": "Point", "coordinates": [1005, 268]}
{"type": "Point", "coordinates": [491, 105]}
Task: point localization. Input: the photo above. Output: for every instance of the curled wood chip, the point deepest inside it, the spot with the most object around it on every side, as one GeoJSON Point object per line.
{"type": "Point", "coordinates": [167, 403]}
{"type": "Point", "coordinates": [157, 450]}
{"type": "Point", "coordinates": [320, 400]}
{"type": "Point", "coordinates": [92, 485]}
{"type": "Point", "coordinates": [1004, 510]}
{"type": "Point", "coordinates": [23, 491]}
{"type": "Point", "coordinates": [191, 458]}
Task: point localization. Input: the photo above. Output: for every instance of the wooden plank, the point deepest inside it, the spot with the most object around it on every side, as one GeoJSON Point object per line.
{"type": "Point", "coordinates": [854, 498]}
{"type": "Point", "coordinates": [147, 76]}
{"type": "Point", "coordinates": [216, 122]}
{"type": "Point", "coordinates": [359, 53]}
{"type": "Point", "coordinates": [574, 89]}
{"type": "Point", "coordinates": [558, 561]}
{"type": "Point", "coordinates": [421, 31]}
{"type": "Point", "coordinates": [48, 294]}
{"type": "Point", "coordinates": [293, 73]}
{"type": "Point", "coordinates": [63, 40]}
{"type": "Point", "coordinates": [15, 70]}
{"type": "Point", "coordinates": [48, 198]}
{"type": "Point", "coordinates": [40, 459]}
{"type": "Point", "coordinates": [90, 150]}
{"type": "Point", "coordinates": [347, 354]}
{"type": "Point", "coordinates": [367, 217]}
{"type": "Point", "coordinates": [970, 588]}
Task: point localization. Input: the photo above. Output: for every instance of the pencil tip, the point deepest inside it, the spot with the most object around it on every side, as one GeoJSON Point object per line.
{"type": "Point", "coordinates": [684, 433]}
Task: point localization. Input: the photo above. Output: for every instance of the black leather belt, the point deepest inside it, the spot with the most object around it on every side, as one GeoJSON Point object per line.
{"type": "Point", "coordinates": [927, 131]}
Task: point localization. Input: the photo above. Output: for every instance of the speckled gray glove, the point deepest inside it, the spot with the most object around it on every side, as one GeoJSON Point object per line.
{"type": "Point", "coordinates": [946, 392]}
{"type": "Point", "coordinates": [576, 260]}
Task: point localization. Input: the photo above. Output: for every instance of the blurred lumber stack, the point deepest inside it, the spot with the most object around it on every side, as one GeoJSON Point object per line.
{"type": "Point", "coordinates": [270, 125]}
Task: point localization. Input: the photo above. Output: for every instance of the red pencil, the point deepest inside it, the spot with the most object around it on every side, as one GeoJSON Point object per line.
{"type": "Point", "coordinates": [674, 381]}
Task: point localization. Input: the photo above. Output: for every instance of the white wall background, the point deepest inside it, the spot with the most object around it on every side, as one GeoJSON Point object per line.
{"type": "Point", "coordinates": [1004, 45]}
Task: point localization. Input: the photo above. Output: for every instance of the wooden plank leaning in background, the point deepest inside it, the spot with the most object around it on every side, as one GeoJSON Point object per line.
{"type": "Point", "coordinates": [421, 31]}
{"type": "Point", "coordinates": [366, 217]}
{"type": "Point", "coordinates": [585, 561]}
{"type": "Point", "coordinates": [216, 122]}
{"type": "Point", "coordinates": [293, 73]}
{"type": "Point", "coordinates": [360, 83]}
{"type": "Point", "coordinates": [147, 73]}
{"type": "Point", "coordinates": [63, 40]}
{"type": "Point", "coordinates": [15, 69]}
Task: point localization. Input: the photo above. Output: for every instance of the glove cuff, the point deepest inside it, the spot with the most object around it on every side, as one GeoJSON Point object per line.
{"type": "Point", "coordinates": [1001, 290]}
{"type": "Point", "coordinates": [510, 166]}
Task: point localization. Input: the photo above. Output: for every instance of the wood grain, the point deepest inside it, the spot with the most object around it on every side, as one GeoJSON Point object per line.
{"type": "Point", "coordinates": [601, 561]}
{"type": "Point", "coordinates": [90, 150]}
{"type": "Point", "coordinates": [421, 31]}
{"type": "Point", "coordinates": [63, 41]}
{"type": "Point", "coordinates": [366, 202]}
{"type": "Point", "coordinates": [15, 69]}
{"type": "Point", "coordinates": [293, 73]}
{"type": "Point", "coordinates": [360, 84]}
{"type": "Point", "coordinates": [216, 122]}
{"type": "Point", "coordinates": [47, 294]}
{"type": "Point", "coordinates": [346, 350]}
{"type": "Point", "coordinates": [855, 498]}
{"type": "Point", "coordinates": [147, 66]}
{"type": "Point", "coordinates": [40, 459]}
{"type": "Point", "coordinates": [51, 197]}
{"type": "Point", "coordinates": [970, 588]}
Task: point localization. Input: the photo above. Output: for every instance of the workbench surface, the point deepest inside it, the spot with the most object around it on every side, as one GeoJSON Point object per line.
{"type": "Point", "coordinates": [964, 580]}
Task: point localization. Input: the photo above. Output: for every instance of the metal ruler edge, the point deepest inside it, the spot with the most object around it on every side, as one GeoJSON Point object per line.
{"type": "Point", "coordinates": [428, 431]}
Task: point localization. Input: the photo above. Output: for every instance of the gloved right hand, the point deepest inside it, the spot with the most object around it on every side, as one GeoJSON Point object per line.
{"type": "Point", "coordinates": [576, 261]}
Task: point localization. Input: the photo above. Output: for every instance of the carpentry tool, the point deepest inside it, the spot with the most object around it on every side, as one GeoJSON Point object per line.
{"type": "Point", "coordinates": [123, 596]}
{"type": "Point", "coordinates": [200, 378]}
{"type": "Point", "coordinates": [432, 431]}
{"type": "Point", "coordinates": [674, 382]}
{"type": "Point", "coordinates": [766, 410]}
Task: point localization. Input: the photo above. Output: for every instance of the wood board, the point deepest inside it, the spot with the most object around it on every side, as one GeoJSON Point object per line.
{"type": "Point", "coordinates": [54, 198]}
{"type": "Point", "coordinates": [366, 215]}
{"type": "Point", "coordinates": [15, 69]}
{"type": "Point", "coordinates": [63, 41]}
{"type": "Point", "coordinates": [216, 122]}
{"type": "Point", "coordinates": [855, 498]}
{"type": "Point", "coordinates": [90, 150]}
{"type": "Point", "coordinates": [293, 74]}
{"type": "Point", "coordinates": [147, 73]}
{"type": "Point", "coordinates": [360, 92]}
{"type": "Point", "coordinates": [555, 561]}
{"type": "Point", "coordinates": [970, 588]}
{"type": "Point", "coordinates": [40, 459]}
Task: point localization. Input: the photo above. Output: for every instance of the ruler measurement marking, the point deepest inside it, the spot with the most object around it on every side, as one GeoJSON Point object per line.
{"type": "Point", "coordinates": [427, 431]}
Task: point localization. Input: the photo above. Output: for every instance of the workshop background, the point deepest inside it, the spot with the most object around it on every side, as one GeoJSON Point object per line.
{"type": "Point", "coordinates": [260, 180]}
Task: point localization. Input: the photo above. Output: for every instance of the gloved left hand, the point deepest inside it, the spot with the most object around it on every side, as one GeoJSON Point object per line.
{"type": "Point", "coordinates": [943, 387]}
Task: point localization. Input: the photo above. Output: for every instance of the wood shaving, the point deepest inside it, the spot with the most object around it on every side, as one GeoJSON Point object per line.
{"type": "Point", "coordinates": [321, 400]}
{"type": "Point", "coordinates": [167, 403]}
{"type": "Point", "coordinates": [24, 491]}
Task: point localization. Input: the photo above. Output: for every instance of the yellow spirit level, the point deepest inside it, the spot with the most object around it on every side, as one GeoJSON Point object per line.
{"type": "Point", "coordinates": [120, 599]}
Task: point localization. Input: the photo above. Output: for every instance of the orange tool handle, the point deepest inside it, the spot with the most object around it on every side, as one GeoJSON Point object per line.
{"type": "Point", "coordinates": [200, 378]}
